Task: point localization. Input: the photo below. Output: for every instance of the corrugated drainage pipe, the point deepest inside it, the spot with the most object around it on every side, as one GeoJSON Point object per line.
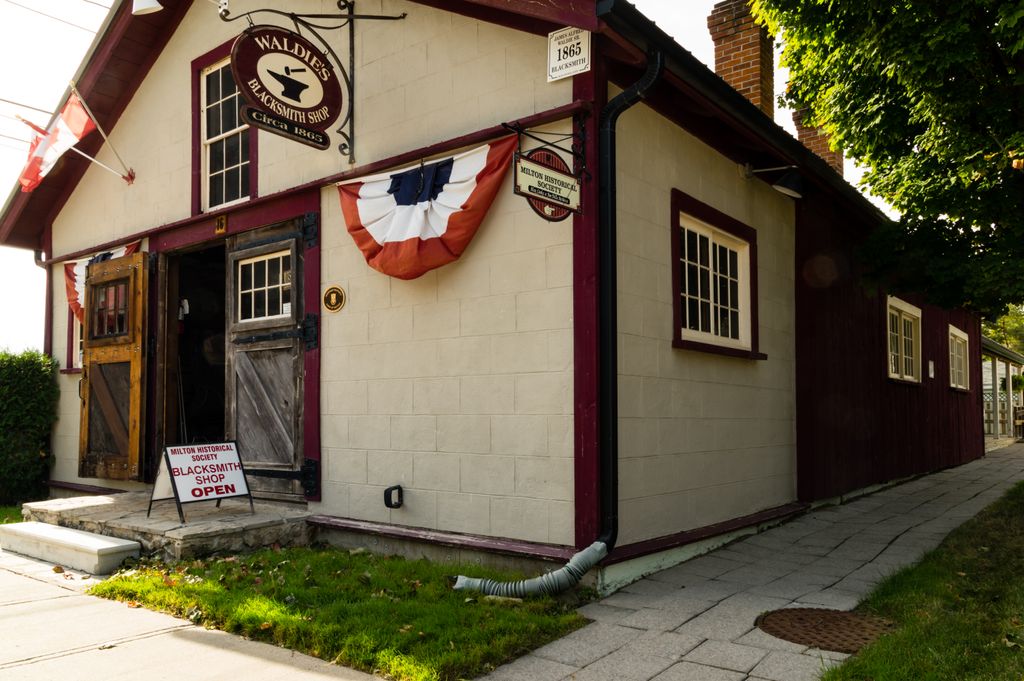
{"type": "Point", "coordinates": [550, 583]}
{"type": "Point", "coordinates": [571, 574]}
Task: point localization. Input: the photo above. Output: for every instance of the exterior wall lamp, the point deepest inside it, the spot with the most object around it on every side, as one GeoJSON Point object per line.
{"type": "Point", "coordinates": [790, 183]}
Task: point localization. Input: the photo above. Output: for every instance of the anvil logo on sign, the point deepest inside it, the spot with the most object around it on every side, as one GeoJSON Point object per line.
{"type": "Point", "coordinates": [283, 74]}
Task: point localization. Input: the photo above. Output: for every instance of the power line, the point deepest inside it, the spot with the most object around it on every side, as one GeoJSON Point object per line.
{"type": "Point", "coordinates": [49, 16]}
{"type": "Point", "coordinates": [91, 2]}
{"type": "Point", "coordinates": [26, 106]}
{"type": "Point", "coordinates": [16, 139]}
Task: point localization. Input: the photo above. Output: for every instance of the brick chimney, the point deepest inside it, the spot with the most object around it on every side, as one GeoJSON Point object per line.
{"type": "Point", "coordinates": [743, 53]}
{"type": "Point", "coordinates": [817, 140]}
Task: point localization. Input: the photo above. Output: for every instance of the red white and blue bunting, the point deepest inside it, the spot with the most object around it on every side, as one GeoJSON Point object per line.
{"type": "Point", "coordinates": [410, 221]}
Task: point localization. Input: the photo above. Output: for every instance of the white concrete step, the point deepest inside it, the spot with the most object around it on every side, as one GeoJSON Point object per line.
{"type": "Point", "coordinates": [93, 553]}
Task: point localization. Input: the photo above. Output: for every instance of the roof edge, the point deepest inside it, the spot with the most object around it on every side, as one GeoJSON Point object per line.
{"type": "Point", "coordinates": [628, 21]}
{"type": "Point", "coordinates": [1001, 350]}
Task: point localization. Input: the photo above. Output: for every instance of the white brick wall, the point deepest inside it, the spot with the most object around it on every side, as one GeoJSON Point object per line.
{"type": "Point", "coordinates": [456, 385]}
{"type": "Point", "coordinates": [413, 373]}
{"type": "Point", "coordinates": [703, 438]}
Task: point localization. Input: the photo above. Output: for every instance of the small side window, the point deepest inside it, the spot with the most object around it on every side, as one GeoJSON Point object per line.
{"type": "Point", "coordinates": [904, 330]}
{"type": "Point", "coordinates": [714, 280]}
{"type": "Point", "coordinates": [958, 346]}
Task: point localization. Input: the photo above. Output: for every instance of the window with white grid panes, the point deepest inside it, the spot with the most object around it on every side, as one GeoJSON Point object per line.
{"type": "Point", "coordinates": [265, 287]}
{"type": "Point", "coordinates": [904, 331]}
{"type": "Point", "coordinates": [958, 374]}
{"type": "Point", "coordinates": [714, 294]}
{"type": "Point", "coordinates": [225, 139]}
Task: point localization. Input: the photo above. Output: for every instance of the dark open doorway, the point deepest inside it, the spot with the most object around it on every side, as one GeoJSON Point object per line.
{"type": "Point", "coordinates": [199, 393]}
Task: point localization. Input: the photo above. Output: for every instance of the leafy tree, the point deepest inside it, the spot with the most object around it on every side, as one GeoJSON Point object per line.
{"type": "Point", "coordinates": [1008, 329]}
{"type": "Point", "coordinates": [929, 96]}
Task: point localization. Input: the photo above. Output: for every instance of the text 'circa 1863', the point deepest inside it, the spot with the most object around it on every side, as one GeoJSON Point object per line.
{"type": "Point", "coordinates": [290, 86]}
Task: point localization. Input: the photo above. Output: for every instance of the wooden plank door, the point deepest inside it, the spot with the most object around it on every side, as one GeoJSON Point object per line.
{"type": "Point", "coordinates": [264, 356]}
{"type": "Point", "coordinates": [113, 369]}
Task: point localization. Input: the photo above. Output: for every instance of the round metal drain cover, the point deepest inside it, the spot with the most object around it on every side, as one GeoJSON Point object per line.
{"type": "Point", "coordinates": [837, 630]}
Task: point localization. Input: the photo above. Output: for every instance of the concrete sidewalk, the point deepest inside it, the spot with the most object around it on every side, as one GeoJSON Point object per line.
{"type": "Point", "coordinates": [695, 622]}
{"type": "Point", "coordinates": [51, 631]}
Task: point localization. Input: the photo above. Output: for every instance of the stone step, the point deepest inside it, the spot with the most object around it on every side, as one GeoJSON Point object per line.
{"type": "Point", "coordinates": [93, 553]}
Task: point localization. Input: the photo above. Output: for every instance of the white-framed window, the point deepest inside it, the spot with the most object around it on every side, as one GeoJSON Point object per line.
{"type": "Point", "coordinates": [73, 356]}
{"type": "Point", "coordinates": [714, 290]}
{"type": "Point", "coordinates": [958, 367]}
{"type": "Point", "coordinates": [265, 286]}
{"type": "Point", "coordinates": [77, 347]}
{"type": "Point", "coordinates": [225, 139]}
{"type": "Point", "coordinates": [904, 331]}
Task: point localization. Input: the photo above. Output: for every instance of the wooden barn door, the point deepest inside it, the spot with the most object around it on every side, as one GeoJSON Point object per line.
{"type": "Point", "coordinates": [113, 369]}
{"type": "Point", "coordinates": [264, 357]}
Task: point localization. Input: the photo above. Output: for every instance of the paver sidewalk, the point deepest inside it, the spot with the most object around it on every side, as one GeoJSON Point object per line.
{"type": "Point", "coordinates": [695, 621]}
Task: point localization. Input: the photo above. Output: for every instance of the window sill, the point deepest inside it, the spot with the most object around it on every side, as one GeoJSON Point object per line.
{"type": "Point", "coordinates": [904, 381]}
{"type": "Point", "coordinates": [958, 389]}
{"type": "Point", "coordinates": [709, 348]}
{"type": "Point", "coordinates": [71, 371]}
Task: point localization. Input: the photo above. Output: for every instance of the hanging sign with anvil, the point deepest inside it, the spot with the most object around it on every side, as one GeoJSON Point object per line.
{"type": "Point", "coordinates": [291, 87]}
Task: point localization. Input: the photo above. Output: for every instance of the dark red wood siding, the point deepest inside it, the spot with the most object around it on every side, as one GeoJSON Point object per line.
{"type": "Point", "coordinates": [856, 427]}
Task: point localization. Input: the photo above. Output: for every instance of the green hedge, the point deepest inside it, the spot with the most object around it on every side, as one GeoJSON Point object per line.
{"type": "Point", "coordinates": [28, 410]}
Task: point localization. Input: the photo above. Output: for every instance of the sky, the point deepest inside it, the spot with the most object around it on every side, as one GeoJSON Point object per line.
{"type": "Point", "coordinates": [40, 54]}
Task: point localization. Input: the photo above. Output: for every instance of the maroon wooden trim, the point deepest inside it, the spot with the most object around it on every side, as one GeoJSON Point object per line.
{"type": "Point", "coordinates": [110, 42]}
{"type": "Point", "coordinates": [215, 55]}
{"type": "Point", "coordinates": [199, 228]}
{"type": "Point", "coordinates": [70, 371]}
{"type": "Point", "coordinates": [685, 203]}
{"type": "Point", "coordinates": [592, 88]}
{"type": "Point", "coordinates": [47, 311]}
{"type": "Point", "coordinates": [240, 218]}
{"type": "Point", "coordinates": [623, 553]}
{"type": "Point", "coordinates": [69, 354]}
{"type": "Point", "coordinates": [254, 206]}
{"type": "Point", "coordinates": [93, 77]}
{"type": "Point", "coordinates": [539, 17]}
{"type": "Point", "coordinates": [311, 360]}
{"type": "Point", "coordinates": [510, 547]}
{"type": "Point", "coordinates": [476, 137]}
{"type": "Point", "coordinates": [88, 489]}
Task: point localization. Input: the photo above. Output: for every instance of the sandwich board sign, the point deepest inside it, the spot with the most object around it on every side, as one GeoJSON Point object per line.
{"type": "Point", "coordinates": [200, 472]}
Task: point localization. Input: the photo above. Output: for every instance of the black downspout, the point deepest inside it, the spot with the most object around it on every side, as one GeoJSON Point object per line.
{"type": "Point", "coordinates": [608, 365]}
{"type": "Point", "coordinates": [608, 382]}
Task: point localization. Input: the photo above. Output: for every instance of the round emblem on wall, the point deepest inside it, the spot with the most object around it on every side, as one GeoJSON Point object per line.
{"type": "Point", "coordinates": [279, 71]}
{"type": "Point", "coordinates": [334, 298]}
{"type": "Point", "coordinates": [549, 159]}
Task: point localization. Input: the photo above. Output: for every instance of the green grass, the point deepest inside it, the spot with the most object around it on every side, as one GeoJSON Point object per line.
{"type": "Point", "coordinates": [959, 612]}
{"type": "Point", "coordinates": [10, 514]}
{"type": "Point", "coordinates": [380, 614]}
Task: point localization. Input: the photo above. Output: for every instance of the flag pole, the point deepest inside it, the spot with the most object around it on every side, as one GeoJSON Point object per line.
{"type": "Point", "coordinates": [127, 178]}
{"type": "Point", "coordinates": [129, 174]}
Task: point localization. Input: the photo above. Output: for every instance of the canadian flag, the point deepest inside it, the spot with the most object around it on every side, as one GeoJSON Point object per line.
{"type": "Point", "coordinates": [47, 146]}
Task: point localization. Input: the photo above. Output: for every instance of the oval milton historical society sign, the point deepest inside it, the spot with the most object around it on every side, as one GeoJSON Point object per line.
{"type": "Point", "coordinates": [281, 73]}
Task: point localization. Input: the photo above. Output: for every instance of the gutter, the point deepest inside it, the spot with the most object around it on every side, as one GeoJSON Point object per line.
{"type": "Point", "coordinates": [625, 20]}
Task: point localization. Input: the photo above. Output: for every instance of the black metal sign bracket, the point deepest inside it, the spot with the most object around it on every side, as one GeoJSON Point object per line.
{"type": "Point", "coordinates": [314, 24]}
